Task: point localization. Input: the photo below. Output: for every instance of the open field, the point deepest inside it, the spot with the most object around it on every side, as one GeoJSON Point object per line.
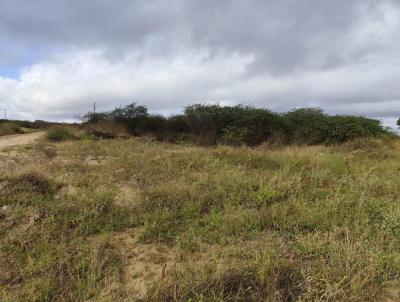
{"type": "Point", "coordinates": [128, 220]}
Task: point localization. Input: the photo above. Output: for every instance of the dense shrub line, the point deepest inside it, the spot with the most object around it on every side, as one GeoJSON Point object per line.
{"type": "Point", "coordinates": [237, 125]}
{"type": "Point", "coordinates": [38, 124]}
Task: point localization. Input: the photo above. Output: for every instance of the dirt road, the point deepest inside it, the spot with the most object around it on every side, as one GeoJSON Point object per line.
{"type": "Point", "coordinates": [19, 139]}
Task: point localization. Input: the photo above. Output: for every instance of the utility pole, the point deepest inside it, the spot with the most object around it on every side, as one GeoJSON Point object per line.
{"type": "Point", "coordinates": [94, 111]}
{"type": "Point", "coordinates": [5, 113]}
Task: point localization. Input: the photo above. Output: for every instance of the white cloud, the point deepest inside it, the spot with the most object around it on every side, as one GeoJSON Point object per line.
{"type": "Point", "coordinates": [68, 84]}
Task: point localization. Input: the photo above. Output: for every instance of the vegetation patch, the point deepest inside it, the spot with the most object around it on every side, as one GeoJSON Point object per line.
{"type": "Point", "coordinates": [153, 221]}
{"type": "Point", "coordinates": [208, 124]}
{"type": "Point", "coordinates": [9, 128]}
{"type": "Point", "coordinates": [62, 133]}
{"type": "Point", "coordinates": [25, 189]}
{"type": "Point", "coordinates": [241, 283]}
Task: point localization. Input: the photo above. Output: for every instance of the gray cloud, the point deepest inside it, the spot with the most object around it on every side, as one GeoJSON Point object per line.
{"type": "Point", "coordinates": [340, 55]}
{"type": "Point", "coordinates": [283, 35]}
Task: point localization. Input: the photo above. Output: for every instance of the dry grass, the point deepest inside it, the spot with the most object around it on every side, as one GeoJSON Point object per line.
{"type": "Point", "coordinates": [137, 220]}
{"type": "Point", "coordinates": [9, 128]}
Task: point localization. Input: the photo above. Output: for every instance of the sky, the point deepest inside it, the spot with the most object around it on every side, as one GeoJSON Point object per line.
{"type": "Point", "coordinates": [58, 57]}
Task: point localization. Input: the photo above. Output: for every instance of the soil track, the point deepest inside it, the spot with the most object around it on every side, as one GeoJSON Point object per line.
{"type": "Point", "coordinates": [19, 139]}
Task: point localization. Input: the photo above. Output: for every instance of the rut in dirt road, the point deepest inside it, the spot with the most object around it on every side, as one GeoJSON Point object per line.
{"type": "Point", "coordinates": [19, 139]}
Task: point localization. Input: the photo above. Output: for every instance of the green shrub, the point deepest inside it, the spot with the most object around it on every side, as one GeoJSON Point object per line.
{"type": "Point", "coordinates": [62, 133]}
{"type": "Point", "coordinates": [312, 126]}
{"type": "Point", "coordinates": [307, 125]}
{"type": "Point", "coordinates": [342, 128]}
{"type": "Point", "coordinates": [207, 125]}
{"type": "Point", "coordinates": [240, 124]}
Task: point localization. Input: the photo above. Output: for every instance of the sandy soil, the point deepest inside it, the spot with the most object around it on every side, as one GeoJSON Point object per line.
{"type": "Point", "coordinates": [19, 139]}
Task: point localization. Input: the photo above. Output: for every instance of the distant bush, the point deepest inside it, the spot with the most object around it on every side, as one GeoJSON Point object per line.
{"type": "Point", "coordinates": [38, 124]}
{"type": "Point", "coordinates": [132, 116]}
{"type": "Point", "coordinates": [214, 124]}
{"type": "Point", "coordinates": [312, 126]}
{"type": "Point", "coordinates": [342, 128]}
{"type": "Point", "coordinates": [257, 125]}
{"type": "Point", "coordinates": [169, 129]}
{"type": "Point", "coordinates": [104, 129]}
{"type": "Point", "coordinates": [178, 124]}
{"type": "Point", "coordinates": [62, 133]}
{"type": "Point", "coordinates": [238, 125]}
{"type": "Point", "coordinates": [156, 124]}
{"type": "Point", "coordinates": [306, 125]}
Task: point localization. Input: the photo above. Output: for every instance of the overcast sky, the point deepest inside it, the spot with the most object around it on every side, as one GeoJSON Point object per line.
{"type": "Point", "coordinates": [57, 57]}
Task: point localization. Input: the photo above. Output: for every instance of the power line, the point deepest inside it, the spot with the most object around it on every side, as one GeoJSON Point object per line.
{"type": "Point", "coordinates": [5, 113]}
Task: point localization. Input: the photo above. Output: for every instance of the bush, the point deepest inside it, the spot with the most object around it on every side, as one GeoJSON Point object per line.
{"type": "Point", "coordinates": [156, 124]}
{"type": "Point", "coordinates": [257, 125]}
{"type": "Point", "coordinates": [214, 124]}
{"type": "Point", "coordinates": [132, 117]}
{"type": "Point", "coordinates": [239, 125]}
{"type": "Point", "coordinates": [342, 128]}
{"type": "Point", "coordinates": [178, 124]}
{"type": "Point", "coordinates": [8, 128]}
{"type": "Point", "coordinates": [104, 129]}
{"type": "Point", "coordinates": [306, 125]}
{"type": "Point", "coordinates": [312, 126]}
{"type": "Point", "coordinates": [62, 133]}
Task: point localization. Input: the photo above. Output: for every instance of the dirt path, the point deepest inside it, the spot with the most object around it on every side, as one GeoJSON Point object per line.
{"type": "Point", "coordinates": [19, 139]}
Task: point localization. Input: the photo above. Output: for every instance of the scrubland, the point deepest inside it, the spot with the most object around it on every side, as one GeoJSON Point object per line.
{"type": "Point", "coordinates": [8, 127]}
{"type": "Point", "coordinates": [139, 220]}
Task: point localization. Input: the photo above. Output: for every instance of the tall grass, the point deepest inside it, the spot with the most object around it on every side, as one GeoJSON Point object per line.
{"type": "Point", "coordinates": [9, 128]}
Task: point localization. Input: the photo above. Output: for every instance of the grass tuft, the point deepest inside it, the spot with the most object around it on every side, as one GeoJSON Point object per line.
{"type": "Point", "coordinates": [26, 189]}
